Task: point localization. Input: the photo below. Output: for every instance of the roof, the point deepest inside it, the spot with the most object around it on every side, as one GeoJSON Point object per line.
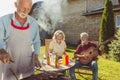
{"type": "Point", "coordinates": [100, 10]}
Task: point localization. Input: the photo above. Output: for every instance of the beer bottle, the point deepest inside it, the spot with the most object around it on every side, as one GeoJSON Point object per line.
{"type": "Point", "coordinates": [56, 61]}
{"type": "Point", "coordinates": [48, 60]}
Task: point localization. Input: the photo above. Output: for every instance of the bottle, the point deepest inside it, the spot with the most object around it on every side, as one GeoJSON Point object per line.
{"type": "Point", "coordinates": [56, 61]}
{"type": "Point", "coordinates": [48, 60]}
{"type": "Point", "coordinates": [63, 59]}
{"type": "Point", "coordinates": [66, 59]}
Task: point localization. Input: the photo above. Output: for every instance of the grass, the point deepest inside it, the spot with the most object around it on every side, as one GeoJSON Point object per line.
{"type": "Point", "coordinates": [107, 70]}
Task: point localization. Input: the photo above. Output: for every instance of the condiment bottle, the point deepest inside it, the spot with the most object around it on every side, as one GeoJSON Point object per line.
{"type": "Point", "coordinates": [48, 60]}
{"type": "Point", "coordinates": [65, 59]}
{"type": "Point", "coordinates": [56, 61]}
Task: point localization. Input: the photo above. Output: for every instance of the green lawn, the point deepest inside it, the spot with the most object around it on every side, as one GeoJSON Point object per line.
{"type": "Point", "coordinates": [108, 70]}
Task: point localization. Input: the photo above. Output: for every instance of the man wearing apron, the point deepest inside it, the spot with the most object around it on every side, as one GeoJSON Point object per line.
{"type": "Point", "coordinates": [18, 32]}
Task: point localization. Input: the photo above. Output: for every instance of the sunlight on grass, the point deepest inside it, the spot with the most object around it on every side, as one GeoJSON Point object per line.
{"type": "Point", "coordinates": [108, 70]}
{"type": "Point", "coordinates": [42, 51]}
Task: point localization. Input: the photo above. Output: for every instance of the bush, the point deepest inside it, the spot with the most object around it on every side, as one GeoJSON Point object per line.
{"type": "Point", "coordinates": [114, 48]}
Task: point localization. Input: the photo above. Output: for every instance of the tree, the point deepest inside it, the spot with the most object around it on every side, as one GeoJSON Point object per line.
{"type": "Point", "coordinates": [107, 25]}
{"type": "Point", "coordinates": [119, 2]}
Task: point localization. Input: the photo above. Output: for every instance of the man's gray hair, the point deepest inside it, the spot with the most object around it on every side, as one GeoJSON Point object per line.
{"type": "Point", "coordinates": [84, 33]}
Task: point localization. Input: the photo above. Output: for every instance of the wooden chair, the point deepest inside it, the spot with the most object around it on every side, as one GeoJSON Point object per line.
{"type": "Point", "coordinates": [47, 42]}
{"type": "Point", "coordinates": [81, 70]}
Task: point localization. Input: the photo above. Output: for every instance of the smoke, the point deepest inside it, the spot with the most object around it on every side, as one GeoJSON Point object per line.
{"type": "Point", "coordinates": [48, 14]}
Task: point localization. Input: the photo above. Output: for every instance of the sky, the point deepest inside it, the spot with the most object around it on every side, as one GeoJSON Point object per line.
{"type": "Point", "coordinates": [7, 6]}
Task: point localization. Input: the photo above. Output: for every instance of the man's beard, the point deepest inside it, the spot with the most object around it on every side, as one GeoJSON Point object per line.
{"type": "Point", "coordinates": [22, 15]}
{"type": "Point", "coordinates": [84, 41]}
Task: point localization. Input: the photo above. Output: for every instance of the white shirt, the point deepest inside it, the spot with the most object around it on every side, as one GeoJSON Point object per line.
{"type": "Point", "coordinates": [57, 48]}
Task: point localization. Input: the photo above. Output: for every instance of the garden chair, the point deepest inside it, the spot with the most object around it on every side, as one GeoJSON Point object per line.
{"type": "Point", "coordinates": [81, 70]}
{"type": "Point", "coordinates": [47, 42]}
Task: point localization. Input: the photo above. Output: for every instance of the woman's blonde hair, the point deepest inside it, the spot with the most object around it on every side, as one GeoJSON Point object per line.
{"type": "Point", "coordinates": [57, 33]}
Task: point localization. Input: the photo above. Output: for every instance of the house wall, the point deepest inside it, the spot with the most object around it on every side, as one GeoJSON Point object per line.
{"type": "Point", "coordinates": [75, 23]}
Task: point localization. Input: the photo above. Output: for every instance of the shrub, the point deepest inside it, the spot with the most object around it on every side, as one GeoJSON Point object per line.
{"type": "Point", "coordinates": [114, 48]}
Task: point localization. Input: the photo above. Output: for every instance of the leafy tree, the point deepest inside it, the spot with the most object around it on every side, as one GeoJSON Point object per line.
{"type": "Point", "coordinates": [119, 2]}
{"type": "Point", "coordinates": [107, 25]}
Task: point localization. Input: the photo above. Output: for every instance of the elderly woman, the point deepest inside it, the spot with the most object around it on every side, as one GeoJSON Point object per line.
{"type": "Point", "coordinates": [58, 45]}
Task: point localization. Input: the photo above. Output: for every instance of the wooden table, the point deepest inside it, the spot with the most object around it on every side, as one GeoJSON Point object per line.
{"type": "Point", "coordinates": [49, 72]}
{"type": "Point", "coordinates": [48, 76]}
{"type": "Point", "coordinates": [52, 68]}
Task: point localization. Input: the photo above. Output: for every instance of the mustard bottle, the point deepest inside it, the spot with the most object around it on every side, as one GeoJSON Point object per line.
{"type": "Point", "coordinates": [63, 59]}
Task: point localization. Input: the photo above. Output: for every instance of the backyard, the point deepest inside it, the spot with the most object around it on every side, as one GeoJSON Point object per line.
{"type": "Point", "coordinates": [108, 70]}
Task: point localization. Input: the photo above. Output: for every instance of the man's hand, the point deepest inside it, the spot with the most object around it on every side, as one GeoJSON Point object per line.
{"type": "Point", "coordinates": [4, 56]}
{"type": "Point", "coordinates": [101, 48]}
{"type": "Point", "coordinates": [36, 61]}
{"type": "Point", "coordinates": [80, 56]}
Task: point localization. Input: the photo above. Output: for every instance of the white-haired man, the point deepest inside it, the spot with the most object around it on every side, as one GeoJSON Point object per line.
{"type": "Point", "coordinates": [18, 32]}
{"type": "Point", "coordinates": [84, 46]}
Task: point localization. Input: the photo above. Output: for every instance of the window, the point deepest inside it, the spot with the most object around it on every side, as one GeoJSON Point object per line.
{"type": "Point", "coordinates": [103, 1]}
{"type": "Point", "coordinates": [118, 21]}
{"type": "Point", "coordinates": [114, 2]}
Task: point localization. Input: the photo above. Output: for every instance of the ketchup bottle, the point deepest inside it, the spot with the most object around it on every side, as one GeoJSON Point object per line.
{"type": "Point", "coordinates": [66, 59]}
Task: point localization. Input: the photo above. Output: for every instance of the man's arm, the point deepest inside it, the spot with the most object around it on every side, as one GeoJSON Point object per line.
{"type": "Point", "coordinates": [36, 45]}
{"type": "Point", "coordinates": [1, 34]}
{"type": "Point", "coordinates": [4, 56]}
{"type": "Point", "coordinates": [77, 53]}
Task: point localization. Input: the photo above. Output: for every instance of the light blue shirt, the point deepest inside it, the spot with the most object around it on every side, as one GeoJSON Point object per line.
{"type": "Point", "coordinates": [5, 26]}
